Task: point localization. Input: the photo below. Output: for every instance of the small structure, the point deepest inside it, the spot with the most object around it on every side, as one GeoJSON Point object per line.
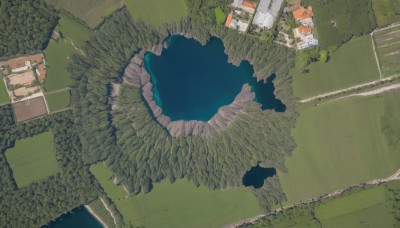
{"type": "Point", "coordinates": [304, 16]}
{"type": "Point", "coordinates": [228, 19]}
{"type": "Point", "coordinates": [241, 15]}
{"type": "Point", "coordinates": [304, 33]}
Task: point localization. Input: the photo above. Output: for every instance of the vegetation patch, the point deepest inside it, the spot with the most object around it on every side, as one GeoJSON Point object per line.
{"type": "Point", "coordinates": [353, 63]}
{"type": "Point", "coordinates": [387, 44]}
{"type": "Point", "coordinates": [72, 31]}
{"type": "Point", "coordinates": [339, 144]}
{"type": "Point", "coordinates": [58, 101]}
{"type": "Point", "coordinates": [98, 207]}
{"type": "Point", "coordinates": [32, 159]}
{"type": "Point", "coordinates": [332, 20]}
{"type": "Point", "coordinates": [157, 12]}
{"type": "Point", "coordinates": [3, 92]}
{"type": "Point", "coordinates": [105, 178]}
{"type": "Point", "coordinates": [219, 16]}
{"type": "Point", "coordinates": [386, 11]}
{"type": "Point", "coordinates": [90, 12]}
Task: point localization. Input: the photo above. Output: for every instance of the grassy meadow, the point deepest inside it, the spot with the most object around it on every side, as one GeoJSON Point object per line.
{"type": "Point", "coordinates": [387, 44]}
{"type": "Point", "coordinates": [98, 207]}
{"type": "Point", "coordinates": [58, 53]}
{"type": "Point", "coordinates": [180, 204]}
{"type": "Point", "coordinates": [340, 143]}
{"type": "Point", "coordinates": [366, 208]}
{"type": "Point", "coordinates": [386, 11]}
{"type": "Point", "coordinates": [219, 15]}
{"type": "Point", "coordinates": [32, 159]}
{"type": "Point", "coordinates": [3, 92]}
{"type": "Point", "coordinates": [157, 12]}
{"type": "Point", "coordinates": [91, 12]}
{"type": "Point", "coordinates": [353, 63]}
{"type": "Point", "coordinates": [58, 101]}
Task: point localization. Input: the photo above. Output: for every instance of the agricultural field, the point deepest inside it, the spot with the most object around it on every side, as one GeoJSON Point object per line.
{"type": "Point", "coordinates": [386, 11]}
{"type": "Point", "coordinates": [32, 159]}
{"type": "Point", "coordinates": [157, 12]}
{"type": "Point", "coordinates": [339, 144]}
{"type": "Point", "coordinates": [387, 44]}
{"type": "Point", "coordinates": [58, 101]}
{"type": "Point", "coordinates": [353, 63]}
{"type": "Point", "coordinates": [171, 205]}
{"type": "Point", "coordinates": [367, 208]}
{"type": "Point", "coordinates": [3, 92]}
{"type": "Point", "coordinates": [59, 51]}
{"type": "Point", "coordinates": [90, 12]}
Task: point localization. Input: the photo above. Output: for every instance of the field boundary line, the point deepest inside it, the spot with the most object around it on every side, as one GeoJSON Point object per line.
{"type": "Point", "coordinates": [252, 220]}
{"type": "Point", "coordinates": [57, 91]}
{"type": "Point", "coordinates": [98, 218]}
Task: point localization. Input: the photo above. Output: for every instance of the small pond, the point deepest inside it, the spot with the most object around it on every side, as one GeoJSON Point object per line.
{"type": "Point", "coordinates": [256, 175]}
{"type": "Point", "coordinates": [192, 81]}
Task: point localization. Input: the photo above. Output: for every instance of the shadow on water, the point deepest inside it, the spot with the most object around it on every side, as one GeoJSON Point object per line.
{"type": "Point", "coordinates": [256, 175]}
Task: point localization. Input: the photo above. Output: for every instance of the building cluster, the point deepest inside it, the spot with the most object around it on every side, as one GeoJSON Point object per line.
{"type": "Point", "coordinates": [266, 13]}
{"type": "Point", "coordinates": [23, 78]}
{"type": "Point", "coordinates": [304, 33]}
{"type": "Point", "coordinates": [241, 16]}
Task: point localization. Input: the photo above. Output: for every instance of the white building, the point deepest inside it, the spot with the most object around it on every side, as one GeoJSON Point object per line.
{"type": "Point", "coordinates": [267, 13]}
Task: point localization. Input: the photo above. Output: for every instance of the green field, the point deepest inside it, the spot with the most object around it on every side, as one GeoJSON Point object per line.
{"type": "Point", "coordinates": [219, 15]}
{"type": "Point", "coordinates": [339, 144]}
{"type": "Point", "coordinates": [104, 176]}
{"type": "Point", "coordinates": [58, 101]}
{"type": "Point", "coordinates": [98, 207]}
{"type": "Point", "coordinates": [351, 64]}
{"type": "Point", "coordinates": [157, 12]}
{"type": "Point", "coordinates": [387, 44]}
{"type": "Point", "coordinates": [386, 11]}
{"type": "Point", "coordinates": [180, 204]}
{"type": "Point", "coordinates": [91, 12]}
{"type": "Point", "coordinates": [368, 208]}
{"type": "Point", "coordinates": [3, 92]}
{"type": "Point", "coordinates": [32, 159]}
{"type": "Point", "coordinates": [73, 29]}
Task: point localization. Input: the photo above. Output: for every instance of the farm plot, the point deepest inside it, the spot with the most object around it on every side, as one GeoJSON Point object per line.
{"type": "Point", "coordinates": [58, 101]}
{"type": "Point", "coordinates": [157, 12]}
{"type": "Point", "coordinates": [180, 204]}
{"type": "Point", "coordinates": [387, 44]}
{"type": "Point", "coordinates": [32, 159]}
{"type": "Point", "coordinates": [91, 12]}
{"type": "Point", "coordinates": [340, 143]}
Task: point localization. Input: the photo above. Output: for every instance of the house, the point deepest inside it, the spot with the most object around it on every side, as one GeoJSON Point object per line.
{"type": "Point", "coordinates": [228, 19]}
{"type": "Point", "coordinates": [267, 13]}
{"type": "Point", "coordinates": [249, 4]}
{"type": "Point", "coordinates": [301, 31]}
{"type": "Point", "coordinates": [307, 41]}
{"type": "Point", "coordinates": [304, 16]}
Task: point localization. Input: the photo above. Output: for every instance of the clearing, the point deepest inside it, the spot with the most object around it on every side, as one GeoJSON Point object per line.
{"type": "Point", "coordinates": [367, 208]}
{"type": "Point", "coordinates": [91, 12]}
{"type": "Point", "coordinates": [180, 204]}
{"type": "Point", "coordinates": [351, 64]}
{"type": "Point", "coordinates": [32, 159]}
{"type": "Point", "coordinates": [387, 43]}
{"type": "Point", "coordinates": [58, 100]}
{"type": "Point", "coordinates": [157, 12]}
{"type": "Point", "coordinates": [219, 15]}
{"type": "Point", "coordinates": [340, 143]}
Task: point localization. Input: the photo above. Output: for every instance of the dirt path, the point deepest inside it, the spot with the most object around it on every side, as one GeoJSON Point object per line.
{"type": "Point", "coordinates": [96, 216]}
{"type": "Point", "coordinates": [76, 48]}
{"type": "Point", "coordinates": [57, 91]}
{"type": "Point", "coordinates": [349, 89]}
{"type": "Point", "coordinates": [395, 176]}
{"type": "Point", "coordinates": [109, 211]}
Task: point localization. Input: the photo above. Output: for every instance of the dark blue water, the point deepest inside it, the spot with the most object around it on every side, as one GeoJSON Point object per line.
{"type": "Point", "coordinates": [192, 81]}
{"type": "Point", "coordinates": [77, 218]}
{"type": "Point", "coordinates": [256, 175]}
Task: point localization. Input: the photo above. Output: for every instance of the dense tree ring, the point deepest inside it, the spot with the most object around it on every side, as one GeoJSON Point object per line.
{"type": "Point", "coordinates": [136, 75]}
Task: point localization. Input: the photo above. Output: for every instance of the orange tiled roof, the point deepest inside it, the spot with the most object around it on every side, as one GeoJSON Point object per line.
{"type": "Point", "coordinates": [228, 19]}
{"type": "Point", "coordinates": [249, 4]}
{"type": "Point", "coordinates": [304, 29]}
{"type": "Point", "coordinates": [303, 13]}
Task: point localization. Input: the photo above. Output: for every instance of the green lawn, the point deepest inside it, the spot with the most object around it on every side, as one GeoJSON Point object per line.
{"type": "Point", "coordinates": [57, 57]}
{"type": "Point", "coordinates": [351, 64]}
{"type": "Point", "coordinates": [368, 208]}
{"type": "Point", "coordinates": [3, 92]}
{"type": "Point", "coordinates": [58, 101]}
{"type": "Point", "coordinates": [103, 175]}
{"type": "Point", "coordinates": [70, 28]}
{"type": "Point", "coordinates": [339, 144]}
{"type": "Point", "coordinates": [157, 12]}
{"type": "Point", "coordinates": [219, 15]}
{"type": "Point", "coordinates": [32, 159]}
{"type": "Point", "coordinates": [92, 12]}
{"type": "Point", "coordinates": [180, 204]}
